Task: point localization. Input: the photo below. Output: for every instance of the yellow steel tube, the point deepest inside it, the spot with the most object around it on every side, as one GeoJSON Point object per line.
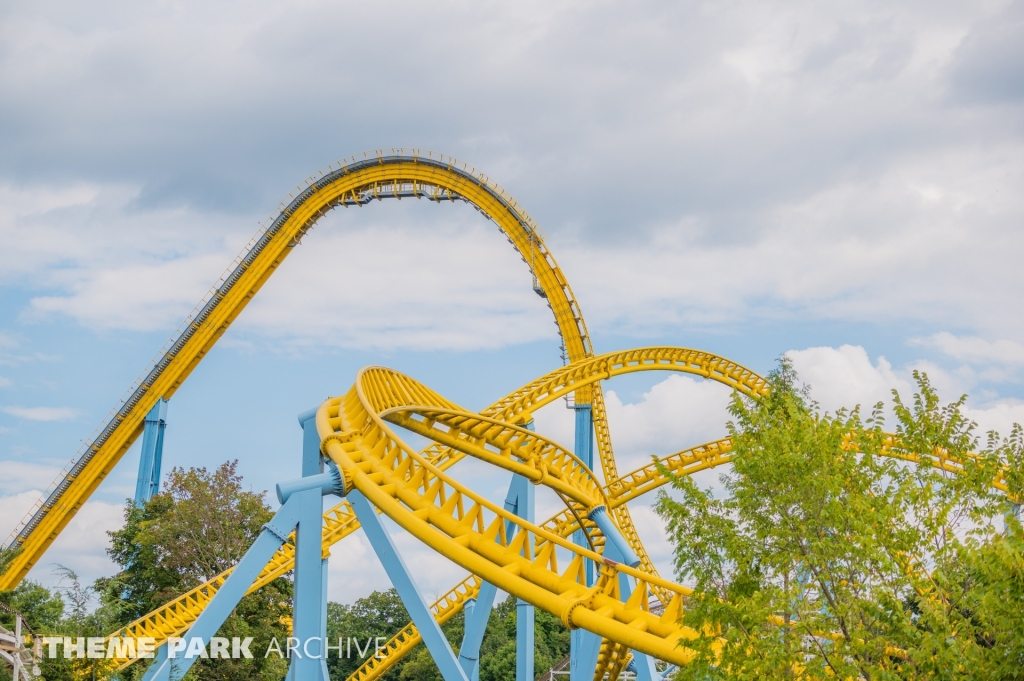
{"type": "Point", "coordinates": [516, 225]}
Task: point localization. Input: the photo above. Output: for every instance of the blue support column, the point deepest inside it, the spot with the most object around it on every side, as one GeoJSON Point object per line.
{"type": "Point", "coordinates": [324, 674]}
{"type": "Point", "coordinates": [525, 498]}
{"type": "Point", "coordinates": [307, 609]}
{"type": "Point", "coordinates": [152, 453]}
{"type": "Point", "coordinates": [584, 450]}
{"type": "Point", "coordinates": [412, 598]}
{"type": "Point", "coordinates": [584, 647]}
{"type": "Point", "coordinates": [313, 464]}
{"type": "Point", "coordinates": [468, 658]}
{"type": "Point", "coordinates": [301, 511]}
{"type": "Point", "coordinates": [617, 549]}
{"type": "Point", "coordinates": [312, 461]}
{"type": "Point", "coordinates": [476, 618]}
{"type": "Point", "coordinates": [520, 500]}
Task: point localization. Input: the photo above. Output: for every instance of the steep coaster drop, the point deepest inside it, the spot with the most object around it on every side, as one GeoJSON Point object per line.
{"type": "Point", "coordinates": [586, 565]}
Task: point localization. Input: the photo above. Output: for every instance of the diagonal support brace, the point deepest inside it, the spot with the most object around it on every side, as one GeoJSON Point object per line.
{"type": "Point", "coordinates": [384, 546]}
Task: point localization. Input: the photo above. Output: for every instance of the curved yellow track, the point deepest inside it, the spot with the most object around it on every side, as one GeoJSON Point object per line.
{"type": "Point", "coordinates": [472, 532]}
{"type": "Point", "coordinates": [530, 563]}
{"type": "Point", "coordinates": [535, 562]}
{"type": "Point", "coordinates": [354, 181]}
{"type": "Point", "coordinates": [176, 616]}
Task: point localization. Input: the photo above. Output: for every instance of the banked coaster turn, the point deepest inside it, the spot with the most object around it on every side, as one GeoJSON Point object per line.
{"type": "Point", "coordinates": [354, 432]}
{"type": "Point", "coordinates": [403, 401]}
{"type": "Point", "coordinates": [549, 565]}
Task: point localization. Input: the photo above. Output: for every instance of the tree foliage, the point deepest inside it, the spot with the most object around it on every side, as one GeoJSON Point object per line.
{"type": "Point", "coordinates": [200, 525]}
{"type": "Point", "coordinates": [68, 610]}
{"type": "Point", "coordinates": [824, 558]}
{"type": "Point", "coordinates": [203, 523]}
{"type": "Point", "coordinates": [382, 614]}
{"type": "Point", "coordinates": [498, 651]}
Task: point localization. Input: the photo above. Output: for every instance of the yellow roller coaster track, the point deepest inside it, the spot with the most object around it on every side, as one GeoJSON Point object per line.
{"type": "Point", "coordinates": [175, 617]}
{"type": "Point", "coordinates": [354, 181]}
{"type": "Point", "coordinates": [530, 562]}
{"type": "Point", "coordinates": [537, 563]}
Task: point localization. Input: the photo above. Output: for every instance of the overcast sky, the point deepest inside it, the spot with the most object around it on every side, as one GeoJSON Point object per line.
{"type": "Point", "coordinates": [839, 181]}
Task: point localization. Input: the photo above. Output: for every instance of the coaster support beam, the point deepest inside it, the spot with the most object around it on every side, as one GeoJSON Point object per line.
{"type": "Point", "coordinates": [151, 456]}
{"type": "Point", "coordinates": [384, 546]}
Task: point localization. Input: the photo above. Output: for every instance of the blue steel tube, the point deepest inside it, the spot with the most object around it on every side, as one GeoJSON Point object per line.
{"type": "Point", "coordinates": [525, 616]}
{"type": "Point", "coordinates": [313, 464]}
{"type": "Point", "coordinates": [476, 618]}
{"type": "Point", "coordinates": [323, 621]}
{"type": "Point", "coordinates": [307, 660]}
{"type": "Point", "coordinates": [611, 533]}
{"type": "Point", "coordinates": [256, 558]}
{"type": "Point", "coordinates": [415, 604]}
{"type": "Point", "coordinates": [151, 453]}
{"type": "Point", "coordinates": [161, 656]}
{"type": "Point", "coordinates": [642, 665]}
{"type": "Point", "coordinates": [584, 451]}
{"type": "Point", "coordinates": [584, 646]}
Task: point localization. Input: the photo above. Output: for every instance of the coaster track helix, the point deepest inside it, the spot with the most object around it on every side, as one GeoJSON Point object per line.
{"type": "Point", "coordinates": [537, 563]}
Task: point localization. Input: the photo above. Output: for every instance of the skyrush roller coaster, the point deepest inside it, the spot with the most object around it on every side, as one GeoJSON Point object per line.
{"type": "Point", "coordinates": [586, 565]}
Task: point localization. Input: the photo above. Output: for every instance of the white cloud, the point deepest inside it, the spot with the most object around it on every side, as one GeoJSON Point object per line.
{"type": "Point", "coordinates": [20, 476]}
{"type": "Point", "coordinates": [974, 349]}
{"type": "Point", "coordinates": [137, 297]}
{"type": "Point", "coordinates": [761, 160]}
{"type": "Point", "coordinates": [56, 229]}
{"type": "Point", "coordinates": [557, 423]}
{"type": "Point", "coordinates": [42, 413]}
{"type": "Point", "coordinates": [651, 529]}
{"type": "Point", "coordinates": [1000, 416]}
{"type": "Point", "coordinates": [840, 252]}
{"type": "Point", "coordinates": [431, 277]}
{"type": "Point", "coordinates": [676, 413]}
{"type": "Point", "coordinates": [7, 344]}
{"type": "Point", "coordinates": [846, 377]}
{"type": "Point", "coordinates": [14, 508]}
{"type": "Point", "coordinates": [82, 545]}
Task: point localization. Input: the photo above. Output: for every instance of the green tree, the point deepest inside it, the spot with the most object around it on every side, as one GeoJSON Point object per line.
{"type": "Point", "coordinates": [498, 651]}
{"type": "Point", "coordinates": [41, 608]}
{"type": "Point", "coordinates": [200, 525]}
{"type": "Point", "coordinates": [826, 559]}
{"type": "Point", "coordinates": [381, 614]}
{"type": "Point", "coordinates": [80, 619]}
